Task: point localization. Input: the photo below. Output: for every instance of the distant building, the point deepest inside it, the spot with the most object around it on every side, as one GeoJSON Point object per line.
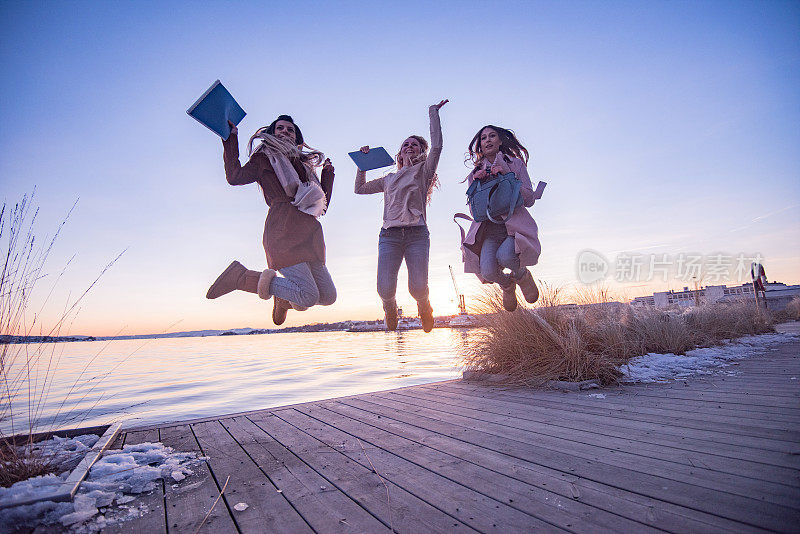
{"type": "Point", "coordinates": [778, 295]}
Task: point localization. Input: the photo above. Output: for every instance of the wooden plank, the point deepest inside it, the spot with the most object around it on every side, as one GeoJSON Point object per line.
{"type": "Point", "coordinates": [543, 504]}
{"type": "Point", "coordinates": [644, 397]}
{"type": "Point", "coordinates": [740, 398]}
{"type": "Point", "coordinates": [744, 509]}
{"type": "Point", "coordinates": [611, 410]}
{"type": "Point", "coordinates": [267, 508]}
{"type": "Point", "coordinates": [605, 449]}
{"type": "Point", "coordinates": [152, 518]}
{"type": "Point", "coordinates": [775, 440]}
{"type": "Point", "coordinates": [599, 435]}
{"type": "Point", "coordinates": [324, 510]}
{"type": "Point", "coordinates": [459, 501]}
{"type": "Point", "coordinates": [188, 503]}
{"type": "Point", "coordinates": [646, 433]}
{"type": "Point", "coordinates": [118, 442]}
{"type": "Point", "coordinates": [404, 511]}
{"type": "Point", "coordinates": [624, 403]}
{"type": "Point", "coordinates": [771, 388]}
{"type": "Point", "coordinates": [634, 506]}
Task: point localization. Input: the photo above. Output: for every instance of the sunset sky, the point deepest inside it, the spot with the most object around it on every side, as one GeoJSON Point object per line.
{"type": "Point", "coordinates": [663, 129]}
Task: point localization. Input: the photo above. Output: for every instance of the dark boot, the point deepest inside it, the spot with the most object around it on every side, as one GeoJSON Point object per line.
{"type": "Point", "coordinates": [528, 287]}
{"type": "Point", "coordinates": [426, 315]}
{"type": "Point", "coordinates": [232, 278]}
{"type": "Point", "coordinates": [390, 309]}
{"type": "Point", "coordinates": [510, 296]}
{"type": "Point", "coordinates": [279, 310]}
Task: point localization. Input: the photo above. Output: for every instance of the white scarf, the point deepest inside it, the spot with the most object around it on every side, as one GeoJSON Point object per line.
{"type": "Point", "coordinates": [307, 196]}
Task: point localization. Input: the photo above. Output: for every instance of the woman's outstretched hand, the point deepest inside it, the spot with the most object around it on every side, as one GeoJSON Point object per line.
{"type": "Point", "coordinates": [440, 104]}
{"type": "Point", "coordinates": [364, 149]}
{"type": "Point", "coordinates": [234, 129]}
{"type": "Point", "coordinates": [327, 165]}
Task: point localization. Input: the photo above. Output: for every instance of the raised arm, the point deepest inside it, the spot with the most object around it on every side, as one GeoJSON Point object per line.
{"type": "Point", "coordinates": [234, 172]}
{"type": "Point", "coordinates": [432, 161]}
{"type": "Point", "coordinates": [362, 186]}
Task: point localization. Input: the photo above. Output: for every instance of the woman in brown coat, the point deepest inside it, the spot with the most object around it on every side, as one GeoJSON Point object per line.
{"type": "Point", "coordinates": [293, 239]}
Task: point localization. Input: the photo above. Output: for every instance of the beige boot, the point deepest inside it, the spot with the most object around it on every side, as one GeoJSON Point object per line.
{"type": "Point", "coordinates": [228, 281]}
{"type": "Point", "coordinates": [279, 310]}
{"type": "Point", "coordinates": [263, 283]}
{"type": "Point", "coordinates": [528, 287]}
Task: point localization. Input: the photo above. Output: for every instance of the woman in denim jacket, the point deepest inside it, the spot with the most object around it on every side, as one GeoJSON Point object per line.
{"type": "Point", "coordinates": [404, 234]}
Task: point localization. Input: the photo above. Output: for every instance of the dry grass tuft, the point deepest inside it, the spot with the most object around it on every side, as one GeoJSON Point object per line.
{"type": "Point", "coordinates": [532, 346]}
{"type": "Point", "coordinates": [16, 464]}
{"type": "Point", "coordinates": [792, 310]}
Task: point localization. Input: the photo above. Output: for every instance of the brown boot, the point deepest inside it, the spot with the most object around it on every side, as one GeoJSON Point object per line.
{"type": "Point", "coordinates": [426, 315]}
{"type": "Point", "coordinates": [390, 320]}
{"type": "Point", "coordinates": [510, 297]}
{"type": "Point", "coordinates": [528, 287]}
{"type": "Point", "coordinates": [228, 281]}
{"type": "Point", "coordinates": [279, 310]}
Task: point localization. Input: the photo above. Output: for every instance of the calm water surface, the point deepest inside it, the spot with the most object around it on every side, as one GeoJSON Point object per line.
{"type": "Point", "coordinates": [161, 380]}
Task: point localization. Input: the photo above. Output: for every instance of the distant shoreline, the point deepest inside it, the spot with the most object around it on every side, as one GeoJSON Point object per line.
{"type": "Point", "coordinates": [341, 326]}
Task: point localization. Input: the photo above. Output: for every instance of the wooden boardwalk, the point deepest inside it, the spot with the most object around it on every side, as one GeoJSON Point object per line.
{"type": "Point", "coordinates": [714, 454]}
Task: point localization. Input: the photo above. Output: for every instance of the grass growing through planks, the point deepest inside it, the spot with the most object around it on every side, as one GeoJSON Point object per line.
{"type": "Point", "coordinates": [590, 340]}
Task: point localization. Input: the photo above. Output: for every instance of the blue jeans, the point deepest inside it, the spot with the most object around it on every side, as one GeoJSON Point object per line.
{"type": "Point", "coordinates": [497, 253]}
{"type": "Point", "coordinates": [305, 284]}
{"type": "Point", "coordinates": [412, 243]}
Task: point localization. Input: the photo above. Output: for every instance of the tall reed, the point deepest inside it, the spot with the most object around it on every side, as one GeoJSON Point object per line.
{"type": "Point", "coordinates": [29, 359]}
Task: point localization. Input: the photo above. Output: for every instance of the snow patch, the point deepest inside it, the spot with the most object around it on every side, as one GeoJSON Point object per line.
{"type": "Point", "coordinates": [663, 367]}
{"type": "Point", "coordinates": [597, 395]}
{"type": "Point", "coordinates": [112, 482]}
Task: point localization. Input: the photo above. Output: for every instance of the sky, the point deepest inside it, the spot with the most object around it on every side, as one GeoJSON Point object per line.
{"type": "Point", "coordinates": [666, 131]}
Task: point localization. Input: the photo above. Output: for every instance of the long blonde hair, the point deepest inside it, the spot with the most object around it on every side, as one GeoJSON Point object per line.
{"type": "Point", "coordinates": [423, 155]}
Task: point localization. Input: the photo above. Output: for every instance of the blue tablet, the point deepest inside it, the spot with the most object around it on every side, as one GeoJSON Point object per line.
{"type": "Point", "coordinates": [374, 159]}
{"type": "Point", "coordinates": [215, 108]}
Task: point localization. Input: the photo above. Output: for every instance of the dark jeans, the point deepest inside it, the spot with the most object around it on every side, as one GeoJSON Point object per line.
{"type": "Point", "coordinates": [412, 243]}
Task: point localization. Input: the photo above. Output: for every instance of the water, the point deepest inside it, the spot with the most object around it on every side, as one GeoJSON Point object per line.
{"type": "Point", "coordinates": [163, 380]}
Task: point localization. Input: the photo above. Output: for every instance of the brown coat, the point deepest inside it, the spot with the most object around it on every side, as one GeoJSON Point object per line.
{"type": "Point", "coordinates": [290, 236]}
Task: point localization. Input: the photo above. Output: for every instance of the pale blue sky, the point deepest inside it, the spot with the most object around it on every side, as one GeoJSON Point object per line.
{"type": "Point", "coordinates": [662, 127]}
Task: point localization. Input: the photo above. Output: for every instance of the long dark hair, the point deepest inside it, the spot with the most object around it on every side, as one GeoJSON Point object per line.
{"type": "Point", "coordinates": [510, 145]}
{"type": "Point", "coordinates": [270, 143]}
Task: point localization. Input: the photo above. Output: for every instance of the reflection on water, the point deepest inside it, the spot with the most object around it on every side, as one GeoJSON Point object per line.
{"type": "Point", "coordinates": [160, 380]}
